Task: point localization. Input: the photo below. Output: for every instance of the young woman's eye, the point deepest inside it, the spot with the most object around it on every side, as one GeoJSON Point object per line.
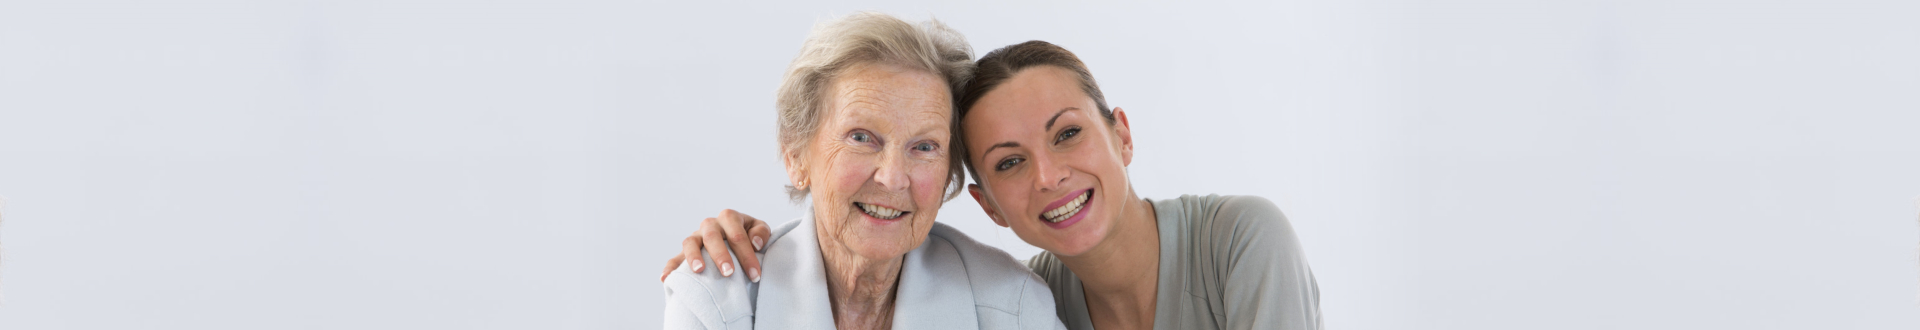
{"type": "Point", "coordinates": [928, 147]}
{"type": "Point", "coordinates": [1068, 133]}
{"type": "Point", "coordinates": [1008, 163]}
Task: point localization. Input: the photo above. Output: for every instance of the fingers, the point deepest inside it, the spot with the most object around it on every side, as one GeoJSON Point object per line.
{"type": "Point", "coordinates": [760, 233]}
{"type": "Point", "coordinates": [671, 264]}
{"type": "Point", "coordinates": [714, 239]}
{"type": "Point", "coordinates": [690, 252]}
{"type": "Point", "coordinates": [758, 230]}
{"type": "Point", "coordinates": [743, 246]}
{"type": "Point", "coordinates": [730, 235]}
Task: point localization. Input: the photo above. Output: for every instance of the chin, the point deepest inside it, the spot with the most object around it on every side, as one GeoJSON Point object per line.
{"type": "Point", "coordinates": [878, 250]}
{"type": "Point", "coordinates": [1074, 241]}
{"type": "Point", "coordinates": [880, 242]}
{"type": "Point", "coordinates": [1074, 246]}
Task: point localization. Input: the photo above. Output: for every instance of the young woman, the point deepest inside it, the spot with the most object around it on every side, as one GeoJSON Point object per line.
{"type": "Point", "coordinates": [1049, 158]}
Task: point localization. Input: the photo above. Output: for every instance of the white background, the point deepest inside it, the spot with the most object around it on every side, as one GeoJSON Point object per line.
{"type": "Point", "coordinates": [529, 164]}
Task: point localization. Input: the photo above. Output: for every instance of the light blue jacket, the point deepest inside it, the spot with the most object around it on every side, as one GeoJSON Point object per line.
{"type": "Point", "coordinates": [949, 282]}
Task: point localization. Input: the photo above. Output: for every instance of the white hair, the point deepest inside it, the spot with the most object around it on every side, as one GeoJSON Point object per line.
{"type": "Point", "coordinates": [866, 38]}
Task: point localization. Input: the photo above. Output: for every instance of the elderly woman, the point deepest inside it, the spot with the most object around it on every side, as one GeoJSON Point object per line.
{"type": "Point", "coordinates": [866, 121]}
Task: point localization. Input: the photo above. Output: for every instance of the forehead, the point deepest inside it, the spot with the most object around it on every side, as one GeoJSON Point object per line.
{"type": "Point", "coordinates": [890, 91]}
{"type": "Point", "coordinates": [1022, 104]}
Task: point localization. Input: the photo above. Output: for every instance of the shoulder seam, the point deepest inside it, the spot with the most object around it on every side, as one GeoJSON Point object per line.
{"type": "Point", "coordinates": [708, 291]}
{"type": "Point", "coordinates": [1016, 301]}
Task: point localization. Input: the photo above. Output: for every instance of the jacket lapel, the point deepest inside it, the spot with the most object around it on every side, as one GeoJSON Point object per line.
{"type": "Point", "coordinates": [934, 292]}
{"type": "Point", "coordinates": [934, 289]}
{"type": "Point", "coordinates": [793, 294]}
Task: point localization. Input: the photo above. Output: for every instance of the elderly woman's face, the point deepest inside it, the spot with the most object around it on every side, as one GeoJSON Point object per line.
{"type": "Point", "coordinates": [878, 164]}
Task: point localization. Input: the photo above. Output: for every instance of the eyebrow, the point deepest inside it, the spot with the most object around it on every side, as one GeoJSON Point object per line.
{"type": "Point", "coordinates": [1009, 144]}
{"type": "Point", "coordinates": [1056, 116]}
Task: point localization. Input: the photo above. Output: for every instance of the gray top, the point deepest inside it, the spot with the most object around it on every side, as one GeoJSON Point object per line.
{"type": "Point", "coordinates": [1226, 262]}
{"type": "Point", "coordinates": [949, 282]}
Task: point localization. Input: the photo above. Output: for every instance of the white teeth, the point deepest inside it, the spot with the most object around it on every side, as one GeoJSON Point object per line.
{"type": "Point", "coordinates": [1061, 213]}
{"type": "Point", "coordinates": [881, 212]}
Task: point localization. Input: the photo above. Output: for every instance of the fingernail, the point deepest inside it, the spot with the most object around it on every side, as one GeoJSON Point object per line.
{"type": "Point", "coordinates": [753, 274]}
{"type": "Point", "coordinates": [698, 266]}
{"type": "Point", "coordinates": [726, 269]}
{"type": "Point", "coordinates": [758, 242]}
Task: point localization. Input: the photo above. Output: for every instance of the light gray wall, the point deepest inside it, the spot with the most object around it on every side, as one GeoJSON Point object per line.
{"type": "Point", "coordinates": [528, 164]}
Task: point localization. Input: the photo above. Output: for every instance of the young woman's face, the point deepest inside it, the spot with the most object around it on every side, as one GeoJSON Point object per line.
{"type": "Point", "coordinates": [1052, 168]}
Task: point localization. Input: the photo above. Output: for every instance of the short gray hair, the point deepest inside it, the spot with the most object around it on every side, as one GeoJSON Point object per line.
{"type": "Point", "coordinates": [866, 38]}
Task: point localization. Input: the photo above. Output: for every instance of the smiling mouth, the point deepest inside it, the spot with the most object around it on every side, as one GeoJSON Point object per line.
{"type": "Point", "coordinates": [879, 212]}
{"type": "Point", "coordinates": [1064, 212]}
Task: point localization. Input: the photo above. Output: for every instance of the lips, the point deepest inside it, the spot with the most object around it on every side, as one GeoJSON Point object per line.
{"type": "Point", "coordinates": [1067, 210]}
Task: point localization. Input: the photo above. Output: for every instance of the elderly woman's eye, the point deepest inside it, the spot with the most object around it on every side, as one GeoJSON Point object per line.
{"type": "Point", "coordinates": [1008, 163]}
{"type": "Point", "coordinates": [1068, 133]}
{"type": "Point", "coordinates": [862, 137]}
{"type": "Point", "coordinates": [925, 147]}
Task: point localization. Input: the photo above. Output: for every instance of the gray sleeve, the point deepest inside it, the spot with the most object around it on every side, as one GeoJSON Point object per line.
{"type": "Point", "coordinates": [1268, 282]}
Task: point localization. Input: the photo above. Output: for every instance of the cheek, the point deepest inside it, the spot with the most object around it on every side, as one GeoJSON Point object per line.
{"type": "Point", "coordinates": [929, 181]}
{"type": "Point", "coordinates": [1109, 173]}
{"type": "Point", "coordinates": [853, 170]}
{"type": "Point", "coordinates": [1096, 158]}
{"type": "Point", "coordinates": [844, 174]}
{"type": "Point", "coordinates": [1012, 200]}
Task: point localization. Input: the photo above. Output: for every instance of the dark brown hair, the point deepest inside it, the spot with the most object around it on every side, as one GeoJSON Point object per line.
{"type": "Point", "coordinates": [1001, 64]}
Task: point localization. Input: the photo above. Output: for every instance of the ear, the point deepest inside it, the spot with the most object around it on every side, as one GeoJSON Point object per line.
{"type": "Point", "coordinates": [1123, 130]}
{"type": "Point", "coordinates": [796, 173]}
{"type": "Point", "coordinates": [980, 196]}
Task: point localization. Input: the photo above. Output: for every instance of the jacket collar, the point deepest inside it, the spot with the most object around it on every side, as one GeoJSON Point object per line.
{"type": "Point", "coordinates": [934, 290]}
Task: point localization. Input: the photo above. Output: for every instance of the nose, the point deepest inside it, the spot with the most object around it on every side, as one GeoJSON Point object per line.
{"type": "Point", "coordinates": [892, 171]}
{"type": "Point", "coordinates": [1050, 173]}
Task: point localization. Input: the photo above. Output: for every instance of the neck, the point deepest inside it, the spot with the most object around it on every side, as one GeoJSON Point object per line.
{"type": "Point", "coordinates": [1120, 275]}
{"type": "Point", "coordinates": [861, 289]}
